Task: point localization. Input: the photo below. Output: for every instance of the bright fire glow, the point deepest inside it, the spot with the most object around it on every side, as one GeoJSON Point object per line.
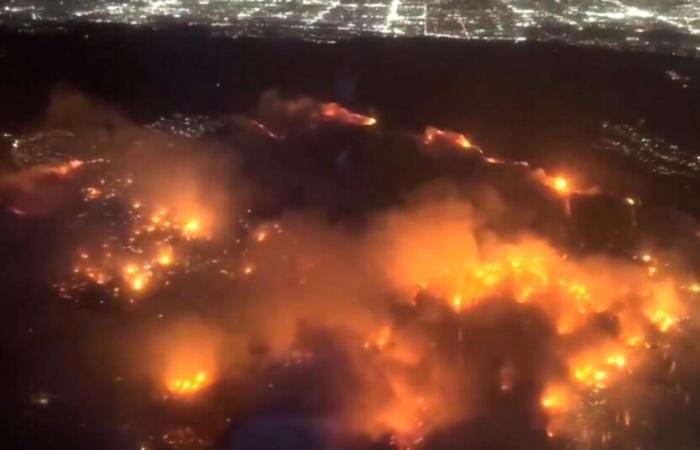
{"type": "Point", "coordinates": [136, 277]}
{"type": "Point", "coordinates": [442, 254]}
{"type": "Point", "coordinates": [335, 112]}
{"type": "Point", "coordinates": [191, 228]}
{"type": "Point", "coordinates": [433, 134]}
{"type": "Point", "coordinates": [189, 385]}
{"type": "Point", "coordinates": [165, 257]}
{"type": "Point", "coordinates": [561, 185]}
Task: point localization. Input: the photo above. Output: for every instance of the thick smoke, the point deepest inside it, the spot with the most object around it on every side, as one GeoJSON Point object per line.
{"type": "Point", "coordinates": [451, 308]}
{"type": "Point", "coordinates": [300, 114]}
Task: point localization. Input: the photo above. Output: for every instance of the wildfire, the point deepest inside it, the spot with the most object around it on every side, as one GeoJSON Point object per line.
{"type": "Point", "coordinates": [380, 339]}
{"type": "Point", "coordinates": [154, 237]}
{"type": "Point", "coordinates": [62, 169]}
{"type": "Point", "coordinates": [439, 257]}
{"type": "Point", "coordinates": [192, 228]}
{"type": "Point", "coordinates": [28, 177]}
{"type": "Point", "coordinates": [441, 254]}
{"type": "Point", "coordinates": [187, 354]}
{"type": "Point", "coordinates": [162, 220]}
{"type": "Point", "coordinates": [189, 227]}
{"type": "Point", "coordinates": [598, 372]}
{"type": "Point", "coordinates": [165, 257]}
{"type": "Point", "coordinates": [561, 185]}
{"type": "Point", "coordinates": [556, 397]}
{"type": "Point", "coordinates": [190, 385]}
{"type": "Point", "coordinates": [335, 112]}
{"type": "Point", "coordinates": [549, 281]}
{"type": "Point", "coordinates": [136, 277]}
{"type": "Point", "coordinates": [432, 135]}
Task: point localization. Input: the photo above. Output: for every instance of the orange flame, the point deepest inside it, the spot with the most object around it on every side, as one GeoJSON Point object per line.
{"type": "Point", "coordinates": [432, 135]}
{"type": "Point", "coordinates": [188, 385]}
{"type": "Point", "coordinates": [335, 112]}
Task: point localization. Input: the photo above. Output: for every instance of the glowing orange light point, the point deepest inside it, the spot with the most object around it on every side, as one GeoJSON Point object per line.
{"type": "Point", "coordinates": [192, 227]}
{"type": "Point", "coordinates": [137, 283]}
{"type": "Point", "coordinates": [464, 142]}
{"type": "Point", "coordinates": [165, 259]}
{"type": "Point", "coordinates": [548, 402]}
{"type": "Point", "coordinates": [561, 185]}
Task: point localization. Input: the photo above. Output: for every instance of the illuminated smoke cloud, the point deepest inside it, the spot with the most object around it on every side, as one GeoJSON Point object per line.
{"type": "Point", "coordinates": [440, 320]}
{"type": "Point", "coordinates": [28, 190]}
{"type": "Point", "coordinates": [298, 114]}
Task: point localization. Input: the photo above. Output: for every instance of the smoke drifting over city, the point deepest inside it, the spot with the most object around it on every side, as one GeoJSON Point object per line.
{"type": "Point", "coordinates": [302, 277]}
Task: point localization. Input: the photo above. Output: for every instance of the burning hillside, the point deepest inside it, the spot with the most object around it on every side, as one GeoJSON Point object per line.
{"type": "Point", "coordinates": [306, 269]}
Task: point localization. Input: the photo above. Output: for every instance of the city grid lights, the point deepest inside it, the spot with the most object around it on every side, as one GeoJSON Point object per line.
{"type": "Point", "coordinates": [330, 20]}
